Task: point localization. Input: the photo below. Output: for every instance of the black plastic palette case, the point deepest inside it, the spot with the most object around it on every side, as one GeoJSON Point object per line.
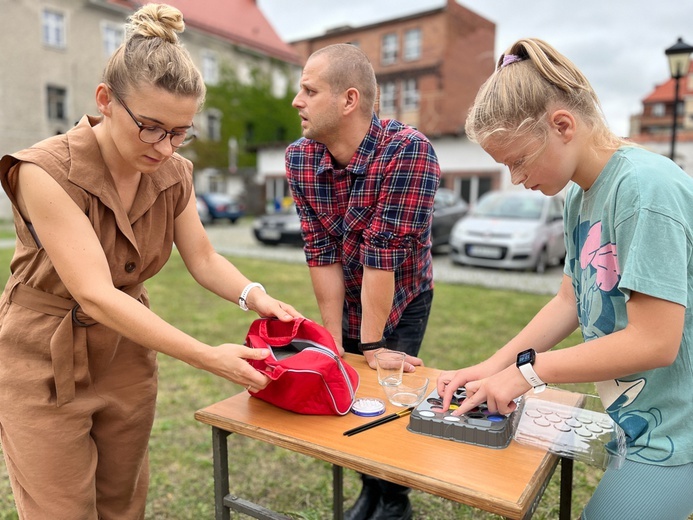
{"type": "Point", "coordinates": [478, 426]}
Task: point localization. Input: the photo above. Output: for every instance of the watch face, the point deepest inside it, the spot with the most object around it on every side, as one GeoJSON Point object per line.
{"type": "Point", "coordinates": [525, 357]}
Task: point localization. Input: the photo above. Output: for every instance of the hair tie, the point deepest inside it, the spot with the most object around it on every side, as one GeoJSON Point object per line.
{"type": "Point", "coordinates": [510, 58]}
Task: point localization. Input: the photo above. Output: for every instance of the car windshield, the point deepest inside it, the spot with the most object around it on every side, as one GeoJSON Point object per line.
{"type": "Point", "coordinates": [508, 205]}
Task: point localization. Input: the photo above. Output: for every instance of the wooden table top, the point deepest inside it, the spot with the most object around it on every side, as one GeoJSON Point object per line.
{"type": "Point", "coordinates": [502, 481]}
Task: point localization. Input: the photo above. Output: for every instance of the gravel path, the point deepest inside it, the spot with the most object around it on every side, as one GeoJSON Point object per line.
{"type": "Point", "coordinates": [238, 240]}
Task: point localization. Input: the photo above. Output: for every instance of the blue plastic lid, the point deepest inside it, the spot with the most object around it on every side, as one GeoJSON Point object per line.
{"type": "Point", "coordinates": [368, 407]}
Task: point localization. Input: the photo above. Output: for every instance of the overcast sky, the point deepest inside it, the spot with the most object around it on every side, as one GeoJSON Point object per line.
{"type": "Point", "coordinates": [618, 44]}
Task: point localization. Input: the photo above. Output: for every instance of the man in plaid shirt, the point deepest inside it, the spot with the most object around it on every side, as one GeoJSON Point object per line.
{"type": "Point", "coordinates": [364, 191]}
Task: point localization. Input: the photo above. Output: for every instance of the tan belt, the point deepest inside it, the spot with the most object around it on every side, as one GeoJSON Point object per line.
{"type": "Point", "coordinates": [70, 335]}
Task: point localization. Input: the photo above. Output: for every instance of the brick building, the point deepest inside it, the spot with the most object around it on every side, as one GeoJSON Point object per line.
{"type": "Point", "coordinates": [429, 65]}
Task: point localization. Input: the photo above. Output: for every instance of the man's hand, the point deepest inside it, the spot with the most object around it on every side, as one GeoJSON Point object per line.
{"type": "Point", "coordinates": [410, 362]}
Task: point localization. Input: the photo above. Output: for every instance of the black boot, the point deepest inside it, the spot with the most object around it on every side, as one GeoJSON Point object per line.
{"type": "Point", "coordinates": [367, 501]}
{"type": "Point", "coordinates": [394, 503]}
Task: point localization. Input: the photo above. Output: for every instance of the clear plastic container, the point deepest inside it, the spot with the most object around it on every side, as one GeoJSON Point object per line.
{"type": "Point", "coordinates": [572, 425]}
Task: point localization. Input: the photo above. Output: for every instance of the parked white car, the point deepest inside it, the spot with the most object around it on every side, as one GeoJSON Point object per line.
{"type": "Point", "coordinates": [511, 230]}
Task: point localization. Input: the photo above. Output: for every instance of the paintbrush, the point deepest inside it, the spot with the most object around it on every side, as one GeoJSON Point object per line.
{"type": "Point", "coordinates": [378, 422]}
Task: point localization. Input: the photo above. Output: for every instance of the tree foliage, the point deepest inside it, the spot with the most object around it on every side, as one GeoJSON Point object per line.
{"type": "Point", "coordinates": [251, 114]}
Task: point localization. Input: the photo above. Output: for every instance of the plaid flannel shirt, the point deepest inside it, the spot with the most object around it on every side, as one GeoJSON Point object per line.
{"type": "Point", "coordinates": [376, 212]}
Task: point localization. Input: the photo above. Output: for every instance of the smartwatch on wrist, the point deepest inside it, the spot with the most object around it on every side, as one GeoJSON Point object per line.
{"type": "Point", "coordinates": [525, 360]}
{"type": "Point", "coordinates": [243, 299]}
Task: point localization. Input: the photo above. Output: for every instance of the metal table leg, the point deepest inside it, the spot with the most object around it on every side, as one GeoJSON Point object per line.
{"type": "Point", "coordinates": [337, 492]}
{"type": "Point", "coordinates": [224, 502]}
{"type": "Point", "coordinates": [220, 452]}
{"type": "Point", "coordinates": [566, 488]}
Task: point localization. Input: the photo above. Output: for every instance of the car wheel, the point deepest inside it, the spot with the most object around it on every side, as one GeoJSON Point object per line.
{"type": "Point", "coordinates": [542, 261]}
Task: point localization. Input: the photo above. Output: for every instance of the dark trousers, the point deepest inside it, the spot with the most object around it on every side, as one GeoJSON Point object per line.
{"type": "Point", "coordinates": [409, 332]}
{"type": "Point", "coordinates": [407, 337]}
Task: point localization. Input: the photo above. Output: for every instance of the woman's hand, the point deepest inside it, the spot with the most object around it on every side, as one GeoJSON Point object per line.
{"type": "Point", "coordinates": [230, 361]}
{"type": "Point", "coordinates": [268, 307]}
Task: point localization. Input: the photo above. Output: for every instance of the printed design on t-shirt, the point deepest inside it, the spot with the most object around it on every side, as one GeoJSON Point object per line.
{"type": "Point", "coordinates": [596, 289]}
{"type": "Point", "coordinates": [603, 258]}
{"type": "Point", "coordinates": [597, 281]}
{"type": "Point", "coordinates": [637, 425]}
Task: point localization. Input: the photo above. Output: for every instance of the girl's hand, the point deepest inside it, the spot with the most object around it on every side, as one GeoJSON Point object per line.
{"type": "Point", "coordinates": [449, 381]}
{"type": "Point", "coordinates": [498, 391]}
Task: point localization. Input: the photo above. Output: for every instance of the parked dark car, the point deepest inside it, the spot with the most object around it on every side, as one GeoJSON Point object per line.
{"type": "Point", "coordinates": [279, 228]}
{"type": "Point", "coordinates": [285, 227]}
{"type": "Point", "coordinates": [448, 208]}
{"type": "Point", "coordinates": [511, 229]}
{"type": "Point", "coordinates": [221, 206]}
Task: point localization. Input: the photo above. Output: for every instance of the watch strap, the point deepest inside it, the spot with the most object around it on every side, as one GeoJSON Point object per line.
{"type": "Point", "coordinates": [243, 299]}
{"type": "Point", "coordinates": [375, 345]}
{"type": "Point", "coordinates": [532, 378]}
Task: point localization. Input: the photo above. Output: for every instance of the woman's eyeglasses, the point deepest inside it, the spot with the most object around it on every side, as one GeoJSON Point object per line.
{"type": "Point", "coordinates": [155, 134]}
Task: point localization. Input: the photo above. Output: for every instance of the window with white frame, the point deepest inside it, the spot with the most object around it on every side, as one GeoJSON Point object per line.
{"type": "Point", "coordinates": [213, 125]}
{"type": "Point", "coordinates": [280, 83]}
{"type": "Point", "coordinates": [243, 73]}
{"type": "Point", "coordinates": [388, 93]}
{"type": "Point", "coordinates": [412, 44]}
{"type": "Point", "coordinates": [53, 28]}
{"type": "Point", "coordinates": [658, 109]}
{"type": "Point", "coordinates": [410, 94]}
{"type": "Point", "coordinates": [56, 103]}
{"type": "Point", "coordinates": [112, 36]}
{"type": "Point", "coordinates": [210, 67]}
{"type": "Point", "coordinates": [389, 49]}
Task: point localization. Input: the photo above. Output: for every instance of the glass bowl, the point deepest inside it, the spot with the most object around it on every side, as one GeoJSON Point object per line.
{"type": "Point", "coordinates": [410, 392]}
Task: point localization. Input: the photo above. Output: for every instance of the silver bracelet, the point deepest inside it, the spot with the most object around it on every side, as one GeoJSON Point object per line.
{"type": "Point", "coordinates": [242, 299]}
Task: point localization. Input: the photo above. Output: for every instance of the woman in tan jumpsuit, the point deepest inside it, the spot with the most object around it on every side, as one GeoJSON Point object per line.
{"type": "Point", "coordinates": [97, 211]}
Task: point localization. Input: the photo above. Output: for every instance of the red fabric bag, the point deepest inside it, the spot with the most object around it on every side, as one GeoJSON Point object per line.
{"type": "Point", "coordinates": [308, 375]}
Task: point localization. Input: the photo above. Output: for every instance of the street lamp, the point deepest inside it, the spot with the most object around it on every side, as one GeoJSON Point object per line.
{"type": "Point", "coordinates": [679, 62]}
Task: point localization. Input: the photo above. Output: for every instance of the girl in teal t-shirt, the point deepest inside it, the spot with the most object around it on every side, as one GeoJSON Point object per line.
{"type": "Point", "coordinates": [628, 281]}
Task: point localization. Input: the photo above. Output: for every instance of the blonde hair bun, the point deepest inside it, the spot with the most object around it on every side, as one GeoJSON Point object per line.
{"type": "Point", "coordinates": [153, 55]}
{"type": "Point", "coordinates": [156, 21]}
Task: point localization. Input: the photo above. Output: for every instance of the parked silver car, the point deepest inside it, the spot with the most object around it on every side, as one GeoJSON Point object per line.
{"type": "Point", "coordinates": [511, 230]}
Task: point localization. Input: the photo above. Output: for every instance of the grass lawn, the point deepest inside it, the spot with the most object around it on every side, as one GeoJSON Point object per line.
{"type": "Point", "coordinates": [466, 325]}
